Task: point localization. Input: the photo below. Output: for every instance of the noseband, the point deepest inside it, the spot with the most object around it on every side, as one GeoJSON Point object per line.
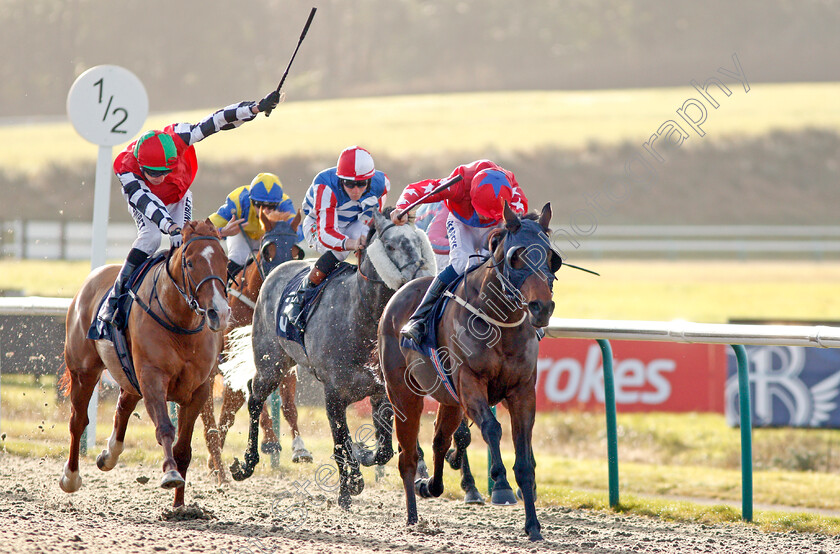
{"type": "Point", "coordinates": [417, 264]}
{"type": "Point", "coordinates": [190, 290]}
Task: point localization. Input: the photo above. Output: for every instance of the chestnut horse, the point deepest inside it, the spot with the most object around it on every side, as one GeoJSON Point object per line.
{"type": "Point", "coordinates": [174, 335]}
{"type": "Point", "coordinates": [488, 332]}
{"type": "Point", "coordinates": [277, 246]}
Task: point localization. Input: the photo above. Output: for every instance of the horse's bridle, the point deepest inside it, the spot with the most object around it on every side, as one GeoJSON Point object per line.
{"type": "Point", "coordinates": [190, 290]}
{"type": "Point", "coordinates": [418, 264]}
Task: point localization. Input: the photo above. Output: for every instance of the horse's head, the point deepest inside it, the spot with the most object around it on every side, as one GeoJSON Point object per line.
{"type": "Point", "coordinates": [528, 262]}
{"type": "Point", "coordinates": [203, 270]}
{"type": "Point", "coordinates": [398, 253]}
{"type": "Point", "coordinates": [278, 244]}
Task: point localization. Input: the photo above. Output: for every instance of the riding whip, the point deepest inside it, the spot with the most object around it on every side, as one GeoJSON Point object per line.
{"type": "Point", "coordinates": [442, 187]}
{"type": "Point", "coordinates": [300, 41]}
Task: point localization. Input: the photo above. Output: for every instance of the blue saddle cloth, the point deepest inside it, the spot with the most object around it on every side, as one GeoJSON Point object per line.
{"type": "Point", "coordinates": [285, 329]}
{"type": "Point", "coordinates": [429, 344]}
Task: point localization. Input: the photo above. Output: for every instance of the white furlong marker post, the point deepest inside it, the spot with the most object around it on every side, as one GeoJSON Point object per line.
{"type": "Point", "coordinates": [107, 105]}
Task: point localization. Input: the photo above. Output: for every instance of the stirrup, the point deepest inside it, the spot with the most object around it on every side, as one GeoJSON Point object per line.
{"type": "Point", "coordinates": [108, 313]}
{"type": "Point", "coordinates": [413, 330]}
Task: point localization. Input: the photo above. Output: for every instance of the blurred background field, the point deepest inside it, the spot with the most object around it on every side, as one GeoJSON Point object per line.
{"type": "Point", "coordinates": [706, 291]}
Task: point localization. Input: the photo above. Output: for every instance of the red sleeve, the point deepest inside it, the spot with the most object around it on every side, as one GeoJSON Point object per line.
{"type": "Point", "coordinates": [327, 218]}
{"type": "Point", "coordinates": [416, 190]}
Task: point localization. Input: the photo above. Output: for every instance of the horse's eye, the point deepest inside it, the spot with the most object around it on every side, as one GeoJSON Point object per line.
{"type": "Point", "coordinates": [190, 265]}
{"type": "Point", "coordinates": [390, 247]}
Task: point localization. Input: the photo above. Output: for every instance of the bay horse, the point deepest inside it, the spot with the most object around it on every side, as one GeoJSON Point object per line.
{"type": "Point", "coordinates": [488, 332]}
{"type": "Point", "coordinates": [340, 334]}
{"type": "Point", "coordinates": [276, 246]}
{"type": "Point", "coordinates": [174, 334]}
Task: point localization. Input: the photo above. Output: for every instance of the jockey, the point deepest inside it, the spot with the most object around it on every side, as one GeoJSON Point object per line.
{"type": "Point", "coordinates": [476, 206]}
{"type": "Point", "coordinates": [338, 208]}
{"type": "Point", "coordinates": [241, 212]}
{"type": "Point", "coordinates": [156, 172]}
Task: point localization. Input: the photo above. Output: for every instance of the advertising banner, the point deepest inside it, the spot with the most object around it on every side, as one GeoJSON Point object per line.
{"type": "Point", "coordinates": [649, 376]}
{"type": "Point", "coordinates": [789, 386]}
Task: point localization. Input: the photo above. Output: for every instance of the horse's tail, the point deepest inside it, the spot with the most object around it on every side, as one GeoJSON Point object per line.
{"type": "Point", "coordinates": [238, 367]}
{"type": "Point", "coordinates": [65, 383]}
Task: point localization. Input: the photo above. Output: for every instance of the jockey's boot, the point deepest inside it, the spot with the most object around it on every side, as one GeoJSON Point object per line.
{"type": "Point", "coordinates": [109, 307]}
{"type": "Point", "coordinates": [315, 278]}
{"type": "Point", "coordinates": [233, 270]}
{"type": "Point", "coordinates": [415, 328]}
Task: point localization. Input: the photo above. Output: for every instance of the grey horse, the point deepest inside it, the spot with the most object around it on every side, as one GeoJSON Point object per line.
{"type": "Point", "coordinates": [339, 336]}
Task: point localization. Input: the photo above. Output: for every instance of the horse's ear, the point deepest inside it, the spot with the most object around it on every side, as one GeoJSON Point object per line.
{"type": "Point", "coordinates": [379, 220]}
{"type": "Point", "coordinates": [545, 217]}
{"type": "Point", "coordinates": [296, 221]}
{"type": "Point", "coordinates": [512, 222]}
{"type": "Point", "coordinates": [266, 221]}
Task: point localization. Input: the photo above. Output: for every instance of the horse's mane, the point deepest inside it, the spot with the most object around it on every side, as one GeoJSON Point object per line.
{"type": "Point", "coordinates": [203, 228]}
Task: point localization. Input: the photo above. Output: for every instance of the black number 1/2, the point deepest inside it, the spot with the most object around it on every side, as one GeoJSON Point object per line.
{"type": "Point", "coordinates": [116, 128]}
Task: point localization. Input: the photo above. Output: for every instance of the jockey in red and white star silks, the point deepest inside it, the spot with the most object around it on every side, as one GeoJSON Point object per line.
{"type": "Point", "coordinates": [476, 206]}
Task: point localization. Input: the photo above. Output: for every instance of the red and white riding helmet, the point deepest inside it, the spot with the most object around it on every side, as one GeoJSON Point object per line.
{"type": "Point", "coordinates": [355, 164]}
{"type": "Point", "coordinates": [489, 190]}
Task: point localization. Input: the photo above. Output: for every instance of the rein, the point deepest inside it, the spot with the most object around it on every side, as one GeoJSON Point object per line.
{"type": "Point", "coordinates": [190, 299]}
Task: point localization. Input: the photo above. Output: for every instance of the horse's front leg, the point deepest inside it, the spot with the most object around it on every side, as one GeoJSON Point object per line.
{"type": "Point", "coordinates": [522, 405]}
{"type": "Point", "coordinates": [288, 386]}
{"type": "Point", "coordinates": [474, 400]}
{"type": "Point", "coordinates": [211, 435]}
{"type": "Point", "coordinates": [182, 449]}
{"type": "Point", "coordinates": [107, 459]}
{"type": "Point", "coordinates": [351, 481]}
{"type": "Point", "coordinates": [383, 416]}
{"type": "Point", "coordinates": [154, 384]}
{"type": "Point", "coordinates": [447, 420]}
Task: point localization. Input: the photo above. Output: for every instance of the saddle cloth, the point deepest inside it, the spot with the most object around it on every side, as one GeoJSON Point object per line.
{"type": "Point", "coordinates": [285, 328]}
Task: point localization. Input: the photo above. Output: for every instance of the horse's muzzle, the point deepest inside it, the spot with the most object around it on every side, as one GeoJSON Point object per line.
{"type": "Point", "coordinates": [540, 312]}
{"type": "Point", "coordinates": [217, 320]}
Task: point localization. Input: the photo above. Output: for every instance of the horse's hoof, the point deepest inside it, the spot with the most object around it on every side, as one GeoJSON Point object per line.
{"type": "Point", "coordinates": [454, 462]}
{"type": "Point", "coordinates": [270, 447]}
{"type": "Point", "coordinates": [472, 496]}
{"type": "Point", "coordinates": [302, 457]}
{"type": "Point", "coordinates": [421, 487]}
{"type": "Point", "coordinates": [171, 480]}
{"type": "Point", "coordinates": [502, 497]}
{"type": "Point", "coordinates": [238, 472]}
{"type": "Point", "coordinates": [102, 461]}
{"type": "Point", "coordinates": [344, 501]}
{"type": "Point", "coordinates": [355, 484]}
{"type": "Point", "coordinates": [364, 456]}
{"type": "Point", "coordinates": [70, 481]}
{"type": "Point", "coordinates": [534, 535]}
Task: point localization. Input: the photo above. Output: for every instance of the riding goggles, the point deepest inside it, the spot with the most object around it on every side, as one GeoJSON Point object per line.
{"type": "Point", "coordinates": [350, 184]}
{"type": "Point", "coordinates": [267, 205]}
{"type": "Point", "coordinates": [156, 172]}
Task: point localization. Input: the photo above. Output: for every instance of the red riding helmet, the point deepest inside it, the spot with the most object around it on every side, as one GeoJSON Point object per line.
{"type": "Point", "coordinates": [156, 151]}
{"type": "Point", "coordinates": [355, 164]}
{"type": "Point", "coordinates": [488, 191]}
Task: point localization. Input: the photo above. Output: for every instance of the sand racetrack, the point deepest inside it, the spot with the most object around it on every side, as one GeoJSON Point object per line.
{"type": "Point", "coordinates": [113, 512]}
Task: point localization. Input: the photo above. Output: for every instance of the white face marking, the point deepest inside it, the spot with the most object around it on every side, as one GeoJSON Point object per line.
{"type": "Point", "coordinates": [207, 253]}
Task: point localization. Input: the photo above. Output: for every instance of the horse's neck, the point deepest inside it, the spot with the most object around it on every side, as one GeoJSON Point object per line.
{"type": "Point", "coordinates": [484, 290]}
{"type": "Point", "coordinates": [369, 295]}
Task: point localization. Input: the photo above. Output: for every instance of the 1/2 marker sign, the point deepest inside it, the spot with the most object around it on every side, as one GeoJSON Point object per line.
{"type": "Point", "coordinates": [107, 105]}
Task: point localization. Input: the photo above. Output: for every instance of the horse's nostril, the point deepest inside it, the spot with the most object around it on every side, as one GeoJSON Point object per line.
{"type": "Point", "coordinates": [535, 307]}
